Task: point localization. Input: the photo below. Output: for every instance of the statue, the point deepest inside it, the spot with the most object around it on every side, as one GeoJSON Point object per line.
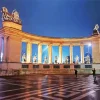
{"type": "Point", "coordinates": [4, 13]}
{"type": "Point", "coordinates": [14, 17]}
{"type": "Point", "coordinates": [15, 14]}
{"type": "Point", "coordinates": [76, 59]}
{"type": "Point", "coordinates": [1, 56]}
{"type": "Point", "coordinates": [4, 10]}
{"type": "Point", "coordinates": [45, 60]}
{"type": "Point", "coordinates": [96, 29]}
{"type": "Point", "coordinates": [87, 59]}
{"type": "Point", "coordinates": [24, 58]}
{"type": "Point", "coordinates": [35, 59]}
{"type": "Point", "coordinates": [66, 60]}
{"type": "Point", "coordinates": [56, 59]}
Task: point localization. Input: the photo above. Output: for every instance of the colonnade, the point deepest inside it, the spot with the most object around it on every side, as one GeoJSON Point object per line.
{"type": "Point", "coordinates": [29, 53]}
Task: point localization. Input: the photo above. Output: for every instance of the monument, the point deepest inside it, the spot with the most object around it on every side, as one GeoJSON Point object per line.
{"type": "Point", "coordinates": [12, 36]}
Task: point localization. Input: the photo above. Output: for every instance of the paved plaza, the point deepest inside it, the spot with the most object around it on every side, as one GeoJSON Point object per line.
{"type": "Point", "coordinates": [50, 87]}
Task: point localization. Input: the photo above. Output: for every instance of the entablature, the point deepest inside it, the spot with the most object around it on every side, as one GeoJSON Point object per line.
{"type": "Point", "coordinates": [45, 40]}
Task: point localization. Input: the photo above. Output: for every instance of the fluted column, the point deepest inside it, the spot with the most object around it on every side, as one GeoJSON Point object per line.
{"type": "Point", "coordinates": [71, 54]}
{"type": "Point", "coordinates": [29, 51]}
{"type": "Point", "coordinates": [50, 53]}
{"type": "Point", "coordinates": [82, 53]}
{"type": "Point", "coordinates": [60, 53]}
{"type": "Point", "coordinates": [5, 49]}
{"type": "Point", "coordinates": [39, 53]}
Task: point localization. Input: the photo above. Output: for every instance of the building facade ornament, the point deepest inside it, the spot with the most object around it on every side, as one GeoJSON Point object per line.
{"type": "Point", "coordinates": [96, 30]}
{"type": "Point", "coordinates": [14, 17]}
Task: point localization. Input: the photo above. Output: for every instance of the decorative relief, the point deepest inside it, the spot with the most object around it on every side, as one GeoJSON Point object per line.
{"type": "Point", "coordinates": [14, 17]}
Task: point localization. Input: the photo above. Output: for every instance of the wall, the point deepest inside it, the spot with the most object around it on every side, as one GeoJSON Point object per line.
{"type": "Point", "coordinates": [13, 49]}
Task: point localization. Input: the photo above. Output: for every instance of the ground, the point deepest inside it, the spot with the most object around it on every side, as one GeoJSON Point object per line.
{"type": "Point", "coordinates": [50, 87]}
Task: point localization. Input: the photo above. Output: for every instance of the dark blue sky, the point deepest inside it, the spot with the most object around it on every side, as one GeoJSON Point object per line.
{"type": "Point", "coordinates": [56, 18]}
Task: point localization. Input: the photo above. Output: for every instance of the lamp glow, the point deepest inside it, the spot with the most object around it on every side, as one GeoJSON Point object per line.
{"type": "Point", "coordinates": [89, 44]}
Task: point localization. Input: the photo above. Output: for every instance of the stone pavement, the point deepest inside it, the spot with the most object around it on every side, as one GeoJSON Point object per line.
{"type": "Point", "coordinates": [50, 87]}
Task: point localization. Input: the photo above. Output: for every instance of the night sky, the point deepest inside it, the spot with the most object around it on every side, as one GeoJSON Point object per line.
{"type": "Point", "coordinates": [56, 18]}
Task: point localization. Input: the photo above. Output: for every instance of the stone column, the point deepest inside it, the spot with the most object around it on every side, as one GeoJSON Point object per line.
{"type": "Point", "coordinates": [0, 47]}
{"type": "Point", "coordinates": [0, 44]}
{"type": "Point", "coordinates": [29, 51]}
{"type": "Point", "coordinates": [5, 49]}
{"type": "Point", "coordinates": [60, 53]}
{"type": "Point", "coordinates": [82, 53]}
{"type": "Point", "coordinates": [39, 53]}
{"type": "Point", "coordinates": [50, 53]}
{"type": "Point", "coordinates": [71, 54]}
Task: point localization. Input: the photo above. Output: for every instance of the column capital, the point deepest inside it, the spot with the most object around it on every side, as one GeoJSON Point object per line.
{"type": "Point", "coordinates": [29, 42]}
{"type": "Point", "coordinates": [50, 44]}
{"type": "Point", "coordinates": [60, 44]}
{"type": "Point", "coordinates": [71, 44]}
{"type": "Point", "coordinates": [82, 43]}
{"type": "Point", "coordinates": [5, 37]}
{"type": "Point", "coordinates": [39, 43]}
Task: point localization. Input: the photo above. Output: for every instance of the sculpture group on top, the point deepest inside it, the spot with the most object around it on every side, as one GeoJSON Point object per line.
{"type": "Point", "coordinates": [96, 30]}
{"type": "Point", "coordinates": [13, 17]}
